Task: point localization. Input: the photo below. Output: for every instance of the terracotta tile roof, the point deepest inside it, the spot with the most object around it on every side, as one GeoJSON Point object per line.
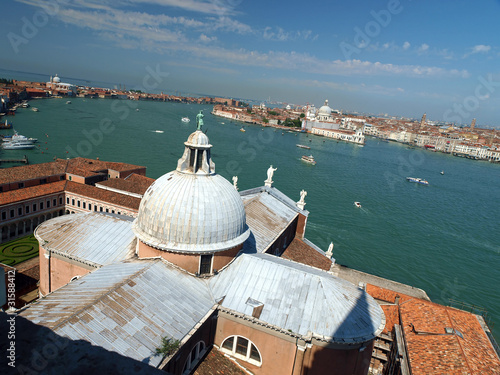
{"type": "Point", "coordinates": [77, 165]}
{"type": "Point", "coordinates": [433, 352]}
{"type": "Point", "coordinates": [134, 183]}
{"type": "Point", "coordinates": [299, 251]}
{"type": "Point", "coordinates": [30, 172]}
{"type": "Point", "coordinates": [18, 195]}
{"type": "Point", "coordinates": [391, 317]}
{"type": "Point", "coordinates": [387, 295]}
{"type": "Point", "coordinates": [103, 195]}
{"type": "Point", "coordinates": [216, 363]}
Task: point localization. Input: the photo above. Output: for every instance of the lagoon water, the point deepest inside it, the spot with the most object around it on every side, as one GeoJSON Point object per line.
{"type": "Point", "coordinates": [443, 238]}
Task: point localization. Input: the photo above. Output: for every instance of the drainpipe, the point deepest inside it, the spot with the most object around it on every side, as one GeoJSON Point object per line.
{"type": "Point", "coordinates": [298, 364]}
{"type": "Point", "coordinates": [48, 256]}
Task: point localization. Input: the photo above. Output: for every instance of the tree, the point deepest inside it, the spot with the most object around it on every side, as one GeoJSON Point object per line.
{"type": "Point", "coordinates": [302, 115]}
{"type": "Point", "coordinates": [168, 346]}
{"type": "Point", "coordinates": [273, 113]}
{"type": "Point", "coordinates": [249, 110]}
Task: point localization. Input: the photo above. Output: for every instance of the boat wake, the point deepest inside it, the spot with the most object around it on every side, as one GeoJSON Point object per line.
{"type": "Point", "coordinates": [157, 131]}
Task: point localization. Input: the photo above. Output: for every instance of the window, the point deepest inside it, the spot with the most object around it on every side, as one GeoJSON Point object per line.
{"type": "Point", "coordinates": [34, 207]}
{"type": "Point", "coordinates": [67, 200]}
{"type": "Point", "coordinates": [78, 204]}
{"type": "Point", "coordinates": [27, 209]}
{"type": "Point", "coordinates": [194, 357]}
{"type": "Point", "coordinates": [48, 204]}
{"type": "Point", "coordinates": [54, 202]}
{"type": "Point", "coordinates": [206, 264]}
{"type": "Point", "coordinates": [20, 185]}
{"type": "Point", "coordinates": [60, 200]}
{"type": "Point", "coordinates": [19, 211]}
{"type": "Point", "coordinates": [242, 348]}
{"type": "Point", "coordinates": [41, 205]}
{"type": "Point", "coordinates": [84, 205]}
{"type": "Point", "coordinates": [107, 209]}
{"type": "Point", "coordinates": [100, 208]}
{"type": "Point", "coordinates": [4, 215]}
{"type": "Point", "coordinates": [11, 213]}
{"type": "Point", "coordinates": [70, 178]}
{"type": "Point", "coordinates": [43, 181]}
{"type": "Point", "coordinates": [72, 202]}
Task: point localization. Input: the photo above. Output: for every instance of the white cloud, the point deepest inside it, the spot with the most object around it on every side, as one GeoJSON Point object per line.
{"type": "Point", "coordinates": [480, 48]}
{"type": "Point", "coordinates": [423, 48]}
{"type": "Point", "coordinates": [406, 45]}
{"type": "Point", "coordinates": [206, 39]}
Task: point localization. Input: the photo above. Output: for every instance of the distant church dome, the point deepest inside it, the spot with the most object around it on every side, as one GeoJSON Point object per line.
{"type": "Point", "coordinates": [325, 109]}
{"type": "Point", "coordinates": [192, 209]}
{"type": "Point", "coordinates": [56, 79]}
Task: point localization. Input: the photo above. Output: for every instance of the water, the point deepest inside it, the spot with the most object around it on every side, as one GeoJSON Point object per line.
{"type": "Point", "coordinates": [443, 238]}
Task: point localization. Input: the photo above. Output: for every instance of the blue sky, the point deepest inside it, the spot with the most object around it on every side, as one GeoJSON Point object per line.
{"type": "Point", "coordinates": [399, 57]}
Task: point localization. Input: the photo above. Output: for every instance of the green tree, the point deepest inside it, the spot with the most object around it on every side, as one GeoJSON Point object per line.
{"type": "Point", "coordinates": [273, 113]}
{"type": "Point", "coordinates": [168, 346]}
{"type": "Point", "coordinates": [302, 115]}
{"type": "Point", "coordinates": [249, 110]}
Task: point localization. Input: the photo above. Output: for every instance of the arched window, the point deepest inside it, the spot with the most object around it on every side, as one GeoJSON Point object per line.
{"type": "Point", "coordinates": [194, 357]}
{"type": "Point", "coordinates": [242, 348]}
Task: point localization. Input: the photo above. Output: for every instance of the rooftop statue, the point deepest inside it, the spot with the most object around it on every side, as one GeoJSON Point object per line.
{"type": "Point", "coordinates": [199, 120]}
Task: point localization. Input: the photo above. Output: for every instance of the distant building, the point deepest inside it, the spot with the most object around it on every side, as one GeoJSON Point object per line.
{"type": "Point", "coordinates": [56, 87]}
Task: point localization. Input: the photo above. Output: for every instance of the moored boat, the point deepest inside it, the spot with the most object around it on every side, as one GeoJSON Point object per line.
{"type": "Point", "coordinates": [417, 180]}
{"type": "Point", "coordinates": [303, 146]}
{"type": "Point", "coordinates": [18, 145]}
{"type": "Point", "coordinates": [308, 159]}
{"type": "Point", "coordinates": [7, 125]}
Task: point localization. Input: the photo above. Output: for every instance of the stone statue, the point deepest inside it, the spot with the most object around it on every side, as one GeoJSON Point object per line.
{"type": "Point", "coordinates": [329, 252]}
{"type": "Point", "coordinates": [270, 173]}
{"type": "Point", "coordinates": [235, 182]}
{"type": "Point", "coordinates": [301, 203]}
{"type": "Point", "coordinates": [303, 194]}
{"type": "Point", "coordinates": [199, 120]}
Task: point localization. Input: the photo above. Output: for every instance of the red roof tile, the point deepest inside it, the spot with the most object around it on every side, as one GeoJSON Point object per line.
{"type": "Point", "coordinates": [386, 295]}
{"type": "Point", "coordinates": [103, 195]}
{"type": "Point", "coordinates": [216, 363]}
{"type": "Point", "coordinates": [134, 183]}
{"type": "Point", "coordinates": [19, 195]}
{"type": "Point", "coordinates": [299, 251]}
{"type": "Point", "coordinates": [30, 172]}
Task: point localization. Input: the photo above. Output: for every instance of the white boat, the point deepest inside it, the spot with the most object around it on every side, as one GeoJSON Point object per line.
{"type": "Point", "coordinates": [185, 119]}
{"type": "Point", "coordinates": [35, 109]}
{"type": "Point", "coordinates": [442, 172]}
{"type": "Point", "coordinates": [357, 204]}
{"type": "Point", "coordinates": [303, 146]}
{"type": "Point", "coordinates": [309, 159]}
{"type": "Point", "coordinates": [417, 180]}
{"type": "Point", "coordinates": [19, 138]}
{"type": "Point", "coordinates": [242, 130]}
{"type": "Point", "coordinates": [18, 145]}
{"type": "Point", "coordinates": [68, 102]}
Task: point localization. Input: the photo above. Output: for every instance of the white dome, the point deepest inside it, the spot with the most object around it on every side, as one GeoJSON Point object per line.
{"type": "Point", "coordinates": [325, 109]}
{"type": "Point", "coordinates": [192, 209]}
{"type": "Point", "coordinates": [56, 79]}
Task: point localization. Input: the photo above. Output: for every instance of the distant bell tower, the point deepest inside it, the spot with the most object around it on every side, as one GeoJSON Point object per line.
{"type": "Point", "coordinates": [422, 122]}
{"type": "Point", "coordinates": [473, 124]}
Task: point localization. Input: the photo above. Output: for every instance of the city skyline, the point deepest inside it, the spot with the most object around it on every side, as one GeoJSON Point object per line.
{"type": "Point", "coordinates": [402, 58]}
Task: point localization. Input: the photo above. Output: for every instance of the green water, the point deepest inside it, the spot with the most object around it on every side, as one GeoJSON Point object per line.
{"type": "Point", "coordinates": [443, 238]}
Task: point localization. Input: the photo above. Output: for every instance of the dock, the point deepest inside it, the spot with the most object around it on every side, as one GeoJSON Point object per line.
{"type": "Point", "coordinates": [23, 160]}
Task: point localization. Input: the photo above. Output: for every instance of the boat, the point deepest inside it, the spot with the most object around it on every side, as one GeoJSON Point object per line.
{"type": "Point", "coordinates": [18, 145]}
{"type": "Point", "coordinates": [35, 109]}
{"type": "Point", "coordinates": [7, 125]}
{"type": "Point", "coordinates": [417, 180]}
{"type": "Point", "coordinates": [25, 105]}
{"type": "Point", "coordinates": [19, 138]}
{"type": "Point", "coordinates": [185, 119]}
{"type": "Point", "coordinates": [442, 172]}
{"type": "Point", "coordinates": [303, 146]}
{"type": "Point", "coordinates": [357, 204]}
{"type": "Point", "coordinates": [308, 159]}
{"type": "Point", "coordinates": [242, 130]}
{"type": "Point", "coordinates": [68, 102]}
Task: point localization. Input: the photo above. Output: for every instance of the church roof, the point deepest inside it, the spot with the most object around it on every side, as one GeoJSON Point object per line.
{"type": "Point", "coordinates": [95, 239]}
{"type": "Point", "coordinates": [298, 299]}
{"type": "Point", "coordinates": [121, 308]}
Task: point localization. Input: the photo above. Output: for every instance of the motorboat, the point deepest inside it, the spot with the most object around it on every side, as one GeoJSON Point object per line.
{"type": "Point", "coordinates": [19, 138]}
{"type": "Point", "coordinates": [7, 125]}
{"type": "Point", "coordinates": [35, 109]}
{"type": "Point", "coordinates": [18, 145]}
{"type": "Point", "coordinates": [442, 172]}
{"type": "Point", "coordinates": [68, 102]}
{"type": "Point", "coordinates": [357, 204]}
{"type": "Point", "coordinates": [242, 130]}
{"type": "Point", "coordinates": [417, 180]}
{"type": "Point", "coordinates": [303, 146]}
{"type": "Point", "coordinates": [185, 119]}
{"type": "Point", "coordinates": [308, 159]}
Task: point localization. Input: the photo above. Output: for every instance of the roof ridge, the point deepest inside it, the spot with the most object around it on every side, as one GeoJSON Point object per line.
{"type": "Point", "coordinates": [107, 292]}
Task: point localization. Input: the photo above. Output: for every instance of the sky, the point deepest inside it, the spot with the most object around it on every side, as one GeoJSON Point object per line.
{"type": "Point", "coordinates": [395, 57]}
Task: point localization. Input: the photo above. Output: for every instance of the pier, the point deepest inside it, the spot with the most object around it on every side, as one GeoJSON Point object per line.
{"type": "Point", "coordinates": [23, 160]}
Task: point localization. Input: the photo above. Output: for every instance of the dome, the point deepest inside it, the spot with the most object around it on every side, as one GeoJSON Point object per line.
{"type": "Point", "coordinates": [192, 209]}
{"type": "Point", "coordinates": [325, 109]}
{"type": "Point", "coordinates": [56, 79]}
